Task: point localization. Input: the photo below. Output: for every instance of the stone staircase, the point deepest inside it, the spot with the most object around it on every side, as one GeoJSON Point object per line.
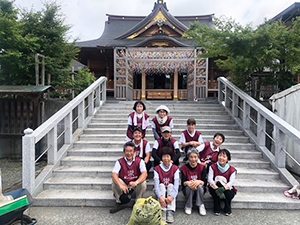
{"type": "Point", "coordinates": [84, 177]}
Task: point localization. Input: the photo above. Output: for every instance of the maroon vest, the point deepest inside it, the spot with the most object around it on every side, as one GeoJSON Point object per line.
{"type": "Point", "coordinates": [138, 149]}
{"type": "Point", "coordinates": [208, 154]}
{"type": "Point", "coordinates": [161, 145]}
{"type": "Point", "coordinates": [166, 177]}
{"type": "Point", "coordinates": [139, 124]}
{"type": "Point", "coordinates": [129, 173]}
{"type": "Point", "coordinates": [188, 138]}
{"type": "Point", "coordinates": [159, 126]}
{"type": "Point", "coordinates": [227, 174]}
{"type": "Point", "coordinates": [193, 175]}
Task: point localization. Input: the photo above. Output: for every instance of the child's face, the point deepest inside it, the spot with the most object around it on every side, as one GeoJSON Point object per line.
{"type": "Point", "coordinates": [218, 140]}
{"type": "Point", "coordinates": [162, 113]}
{"type": "Point", "coordinates": [191, 127]}
{"type": "Point", "coordinates": [139, 108]}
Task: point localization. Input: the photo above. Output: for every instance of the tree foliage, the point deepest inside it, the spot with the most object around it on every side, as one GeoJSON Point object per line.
{"type": "Point", "coordinates": [24, 33]}
{"type": "Point", "coordinates": [243, 51]}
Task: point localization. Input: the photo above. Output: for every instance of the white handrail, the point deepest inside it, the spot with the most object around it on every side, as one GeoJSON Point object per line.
{"type": "Point", "coordinates": [232, 98]}
{"type": "Point", "coordinates": [86, 104]}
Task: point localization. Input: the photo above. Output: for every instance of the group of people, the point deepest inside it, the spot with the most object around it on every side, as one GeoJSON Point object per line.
{"type": "Point", "coordinates": [205, 165]}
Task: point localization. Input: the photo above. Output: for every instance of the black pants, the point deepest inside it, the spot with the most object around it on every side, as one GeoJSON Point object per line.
{"type": "Point", "coordinates": [229, 195]}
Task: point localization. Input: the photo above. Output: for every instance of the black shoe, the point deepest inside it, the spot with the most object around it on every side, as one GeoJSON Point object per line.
{"type": "Point", "coordinates": [117, 208]}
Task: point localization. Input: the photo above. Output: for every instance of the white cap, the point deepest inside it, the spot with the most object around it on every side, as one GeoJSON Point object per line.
{"type": "Point", "coordinates": [162, 107]}
{"type": "Point", "coordinates": [166, 129]}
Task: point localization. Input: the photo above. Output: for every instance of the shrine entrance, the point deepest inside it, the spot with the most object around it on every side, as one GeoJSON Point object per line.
{"type": "Point", "coordinates": [160, 73]}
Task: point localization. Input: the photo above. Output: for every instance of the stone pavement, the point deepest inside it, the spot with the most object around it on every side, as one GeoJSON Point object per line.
{"type": "Point", "coordinates": [101, 216]}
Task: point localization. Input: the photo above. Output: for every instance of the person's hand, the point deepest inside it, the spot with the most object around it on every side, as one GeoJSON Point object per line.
{"type": "Point", "coordinates": [132, 183]}
{"type": "Point", "coordinates": [169, 199]}
{"type": "Point", "coordinates": [124, 188]}
{"type": "Point", "coordinates": [162, 201]}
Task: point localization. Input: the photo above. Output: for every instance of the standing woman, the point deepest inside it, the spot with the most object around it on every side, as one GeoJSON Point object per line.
{"type": "Point", "coordinates": [162, 119]}
{"type": "Point", "coordinates": [193, 182]}
{"type": "Point", "coordinates": [221, 177]}
{"type": "Point", "coordinates": [136, 119]}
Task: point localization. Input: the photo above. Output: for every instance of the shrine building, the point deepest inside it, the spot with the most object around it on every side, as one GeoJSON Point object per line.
{"type": "Point", "coordinates": [146, 57]}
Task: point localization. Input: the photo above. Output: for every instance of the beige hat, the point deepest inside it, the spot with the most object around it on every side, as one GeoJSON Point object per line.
{"type": "Point", "coordinates": [166, 129]}
{"type": "Point", "coordinates": [162, 107]}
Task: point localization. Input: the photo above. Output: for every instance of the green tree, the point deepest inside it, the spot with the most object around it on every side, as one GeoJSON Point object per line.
{"type": "Point", "coordinates": [15, 46]}
{"type": "Point", "coordinates": [243, 51]}
{"type": "Point", "coordinates": [49, 26]}
{"type": "Point", "coordinates": [42, 32]}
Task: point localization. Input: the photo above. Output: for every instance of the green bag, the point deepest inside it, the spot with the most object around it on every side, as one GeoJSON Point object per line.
{"type": "Point", "coordinates": [146, 211]}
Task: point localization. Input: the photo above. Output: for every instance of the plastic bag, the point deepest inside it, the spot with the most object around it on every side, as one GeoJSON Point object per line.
{"type": "Point", "coordinates": [146, 211]}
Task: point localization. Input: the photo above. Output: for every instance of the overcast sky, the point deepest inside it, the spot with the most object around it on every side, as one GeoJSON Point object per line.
{"type": "Point", "coordinates": [87, 17]}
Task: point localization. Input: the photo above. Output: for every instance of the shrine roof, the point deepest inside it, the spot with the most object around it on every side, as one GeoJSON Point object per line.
{"type": "Point", "coordinates": [289, 13]}
{"type": "Point", "coordinates": [119, 27]}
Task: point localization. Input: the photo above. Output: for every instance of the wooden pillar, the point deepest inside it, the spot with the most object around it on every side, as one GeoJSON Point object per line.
{"type": "Point", "coordinates": [175, 84]}
{"type": "Point", "coordinates": [143, 85]}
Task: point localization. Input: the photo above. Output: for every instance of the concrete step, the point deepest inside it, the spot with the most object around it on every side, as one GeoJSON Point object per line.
{"type": "Point", "coordinates": [197, 116]}
{"type": "Point", "coordinates": [105, 171]}
{"type": "Point", "coordinates": [177, 121]}
{"type": "Point", "coordinates": [115, 137]}
{"type": "Point", "coordinates": [100, 198]}
{"type": "Point", "coordinates": [208, 132]}
{"type": "Point", "coordinates": [110, 161]}
{"type": "Point", "coordinates": [118, 152]}
{"type": "Point", "coordinates": [120, 143]}
{"type": "Point", "coordinates": [104, 183]}
{"type": "Point", "coordinates": [182, 126]}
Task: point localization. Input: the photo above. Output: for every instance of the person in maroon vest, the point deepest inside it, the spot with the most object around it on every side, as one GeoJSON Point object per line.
{"type": "Point", "coordinates": [165, 141]}
{"type": "Point", "coordinates": [193, 182]}
{"type": "Point", "coordinates": [142, 147]}
{"type": "Point", "coordinates": [138, 118]}
{"type": "Point", "coordinates": [209, 150]}
{"type": "Point", "coordinates": [162, 119]}
{"type": "Point", "coordinates": [190, 137]}
{"type": "Point", "coordinates": [166, 184]}
{"type": "Point", "coordinates": [129, 173]}
{"type": "Point", "coordinates": [221, 178]}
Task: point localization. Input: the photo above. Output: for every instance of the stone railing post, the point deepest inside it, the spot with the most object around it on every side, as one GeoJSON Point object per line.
{"type": "Point", "coordinates": [246, 116]}
{"type": "Point", "coordinates": [261, 129]}
{"type": "Point", "coordinates": [28, 166]}
{"type": "Point", "coordinates": [280, 156]}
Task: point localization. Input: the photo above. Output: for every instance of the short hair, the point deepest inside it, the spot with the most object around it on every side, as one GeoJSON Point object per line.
{"type": "Point", "coordinates": [226, 152]}
{"type": "Point", "coordinates": [192, 150]}
{"type": "Point", "coordinates": [220, 134]}
{"type": "Point", "coordinates": [139, 102]}
{"type": "Point", "coordinates": [128, 144]}
{"type": "Point", "coordinates": [191, 121]}
{"type": "Point", "coordinates": [166, 151]}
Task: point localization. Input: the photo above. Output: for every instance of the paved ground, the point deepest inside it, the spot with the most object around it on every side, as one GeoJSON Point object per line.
{"type": "Point", "coordinates": [11, 180]}
{"type": "Point", "coordinates": [101, 216]}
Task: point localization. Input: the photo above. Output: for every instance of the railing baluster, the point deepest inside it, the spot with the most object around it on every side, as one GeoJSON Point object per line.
{"type": "Point", "coordinates": [246, 116]}
{"type": "Point", "coordinates": [52, 145]}
{"type": "Point", "coordinates": [280, 156]}
{"type": "Point", "coordinates": [261, 130]}
{"type": "Point", "coordinates": [68, 128]}
{"type": "Point", "coordinates": [28, 157]}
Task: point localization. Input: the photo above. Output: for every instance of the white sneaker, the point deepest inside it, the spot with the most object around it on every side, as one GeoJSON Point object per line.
{"type": "Point", "coordinates": [202, 210]}
{"type": "Point", "coordinates": [188, 210]}
{"type": "Point", "coordinates": [164, 214]}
